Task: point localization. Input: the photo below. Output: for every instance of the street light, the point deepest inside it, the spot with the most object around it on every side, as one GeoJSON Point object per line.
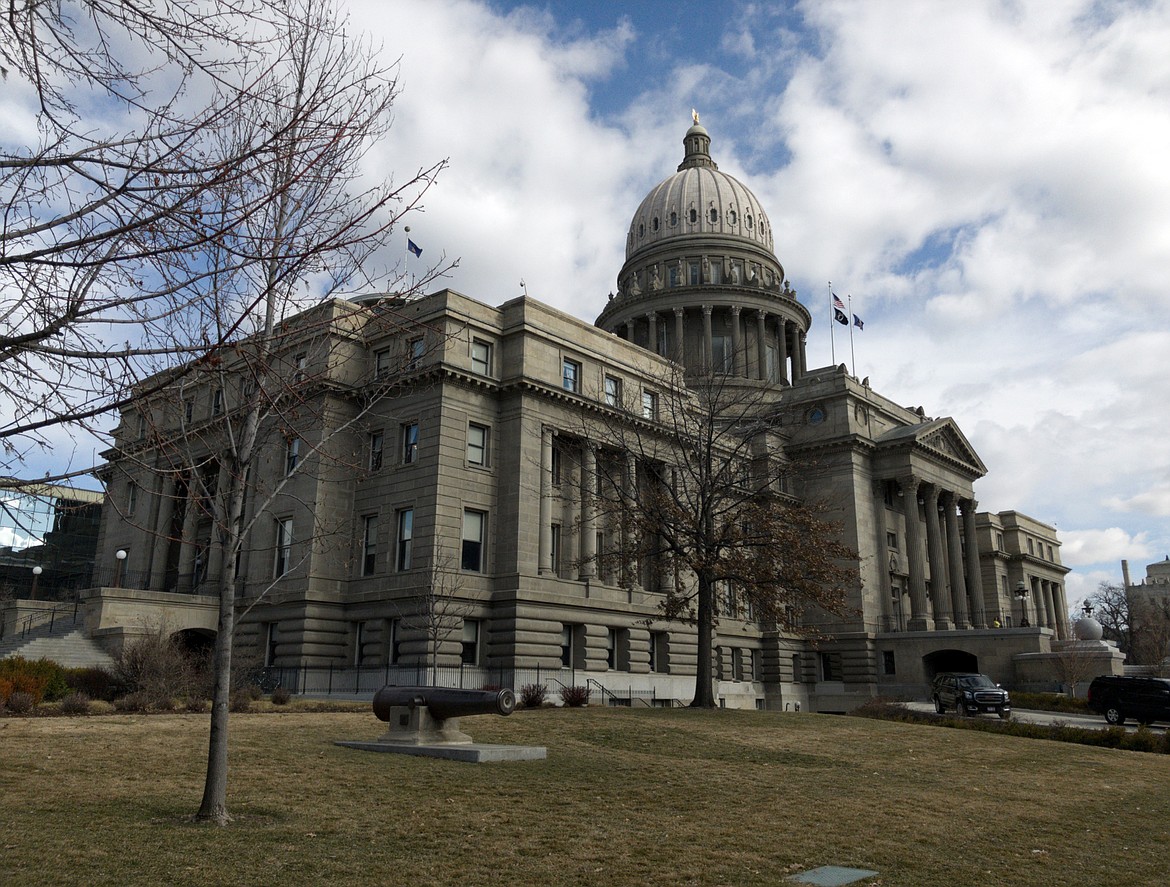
{"type": "Point", "coordinates": [120, 554]}
{"type": "Point", "coordinates": [36, 571]}
{"type": "Point", "coordinates": [1021, 594]}
{"type": "Point", "coordinates": [1088, 608]}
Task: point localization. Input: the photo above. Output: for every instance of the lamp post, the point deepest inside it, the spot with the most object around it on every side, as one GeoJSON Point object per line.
{"type": "Point", "coordinates": [1021, 594]}
{"type": "Point", "coordinates": [36, 571]}
{"type": "Point", "coordinates": [120, 554]}
{"type": "Point", "coordinates": [1088, 608]}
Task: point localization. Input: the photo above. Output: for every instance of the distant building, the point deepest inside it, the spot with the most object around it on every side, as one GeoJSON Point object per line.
{"type": "Point", "coordinates": [1148, 602]}
{"type": "Point", "coordinates": [50, 529]}
{"type": "Point", "coordinates": [479, 458]}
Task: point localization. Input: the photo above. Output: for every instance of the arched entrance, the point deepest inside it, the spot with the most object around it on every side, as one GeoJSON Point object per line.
{"type": "Point", "coordinates": [948, 660]}
{"type": "Point", "coordinates": [196, 642]}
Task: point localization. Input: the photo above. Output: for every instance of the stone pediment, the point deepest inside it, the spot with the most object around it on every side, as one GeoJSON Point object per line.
{"type": "Point", "coordinates": [939, 439]}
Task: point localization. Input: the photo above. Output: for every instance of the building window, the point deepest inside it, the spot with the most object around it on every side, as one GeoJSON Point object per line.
{"type": "Point", "coordinates": [611, 648]}
{"type": "Point", "coordinates": [292, 455]}
{"type": "Point", "coordinates": [797, 671]}
{"type": "Point", "coordinates": [141, 426]}
{"type": "Point", "coordinates": [477, 444]}
{"type": "Point", "coordinates": [414, 350]}
{"type": "Point", "coordinates": [892, 541]}
{"type": "Point", "coordinates": [658, 652]}
{"type": "Point", "coordinates": [370, 545]}
{"type": "Point", "coordinates": [613, 391]}
{"type": "Point", "coordinates": [721, 354]}
{"type": "Point", "coordinates": [217, 402]}
{"type": "Point", "coordinates": [131, 498]}
{"type": "Point", "coordinates": [481, 357]}
{"type": "Point", "coordinates": [649, 405]}
{"type": "Point", "coordinates": [672, 275]}
{"type": "Point", "coordinates": [473, 537]}
{"type": "Point", "coordinates": [391, 641]}
{"type": "Point", "coordinates": [359, 641]}
{"type": "Point", "coordinates": [713, 215]}
{"type": "Point", "coordinates": [188, 409]}
{"type": "Point", "coordinates": [556, 465]}
{"type": "Point", "coordinates": [270, 643]}
{"type": "Point", "coordinates": [830, 666]}
{"type": "Point", "coordinates": [382, 362]}
{"type": "Point", "coordinates": [299, 363]}
{"type": "Point", "coordinates": [470, 652]}
{"type": "Point", "coordinates": [999, 542]}
{"type": "Point", "coordinates": [694, 215]}
{"type": "Point", "coordinates": [888, 665]}
{"type": "Point", "coordinates": [571, 376]}
{"type": "Point", "coordinates": [567, 646]}
{"type": "Point", "coordinates": [772, 365]}
{"type": "Point", "coordinates": [377, 439]}
{"type": "Point", "coordinates": [402, 556]}
{"type": "Point", "coordinates": [409, 442]}
{"type": "Point", "coordinates": [555, 550]}
{"type": "Point", "coordinates": [693, 273]}
{"type": "Point", "coordinates": [1030, 551]}
{"type": "Point", "coordinates": [284, 537]}
{"type": "Point", "coordinates": [1050, 557]}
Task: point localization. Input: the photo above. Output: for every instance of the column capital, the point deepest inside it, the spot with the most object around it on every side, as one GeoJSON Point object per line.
{"type": "Point", "coordinates": [968, 505]}
{"type": "Point", "coordinates": [735, 309]}
{"type": "Point", "coordinates": [761, 314]}
{"type": "Point", "coordinates": [706, 310]}
{"type": "Point", "coordinates": [678, 312]}
{"type": "Point", "coordinates": [909, 483]}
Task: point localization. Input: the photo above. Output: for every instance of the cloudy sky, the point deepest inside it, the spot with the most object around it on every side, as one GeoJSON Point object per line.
{"type": "Point", "coordinates": [988, 180]}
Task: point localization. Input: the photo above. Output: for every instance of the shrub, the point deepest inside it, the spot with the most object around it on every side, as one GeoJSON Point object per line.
{"type": "Point", "coordinates": [158, 666]}
{"type": "Point", "coordinates": [75, 704]}
{"type": "Point", "coordinates": [1142, 739]}
{"type": "Point", "coordinates": [96, 683]}
{"type": "Point", "coordinates": [43, 678]}
{"type": "Point", "coordinates": [281, 696]}
{"type": "Point", "coordinates": [131, 702]}
{"type": "Point", "coordinates": [195, 705]}
{"type": "Point", "coordinates": [575, 697]}
{"type": "Point", "coordinates": [241, 701]}
{"type": "Point", "coordinates": [533, 695]}
{"type": "Point", "coordinates": [21, 702]}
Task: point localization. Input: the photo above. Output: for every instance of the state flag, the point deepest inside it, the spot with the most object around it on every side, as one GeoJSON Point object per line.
{"type": "Point", "coordinates": [413, 247]}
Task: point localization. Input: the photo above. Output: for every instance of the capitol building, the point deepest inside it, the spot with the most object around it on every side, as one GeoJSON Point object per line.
{"type": "Point", "coordinates": [445, 455]}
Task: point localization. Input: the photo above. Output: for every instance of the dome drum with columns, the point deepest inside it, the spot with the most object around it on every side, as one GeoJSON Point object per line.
{"type": "Point", "coordinates": [701, 283]}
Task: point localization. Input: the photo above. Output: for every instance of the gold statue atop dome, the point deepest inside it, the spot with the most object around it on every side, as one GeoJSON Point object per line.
{"type": "Point", "coordinates": [695, 116]}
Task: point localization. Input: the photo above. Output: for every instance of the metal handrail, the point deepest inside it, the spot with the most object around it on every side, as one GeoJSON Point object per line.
{"type": "Point", "coordinates": [35, 620]}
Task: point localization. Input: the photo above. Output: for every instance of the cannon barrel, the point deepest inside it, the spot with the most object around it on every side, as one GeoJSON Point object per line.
{"type": "Point", "coordinates": [444, 702]}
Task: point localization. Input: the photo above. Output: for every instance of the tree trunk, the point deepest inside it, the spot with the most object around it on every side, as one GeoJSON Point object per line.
{"type": "Point", "coordinates": [704, 693]}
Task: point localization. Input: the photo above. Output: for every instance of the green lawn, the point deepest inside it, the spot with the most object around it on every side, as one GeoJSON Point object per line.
{"type": "Point", "coordinates": [625, 797]}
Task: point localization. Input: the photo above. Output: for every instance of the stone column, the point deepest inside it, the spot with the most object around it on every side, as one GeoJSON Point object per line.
{"type": "Point", "coordinates": [737, 349]}
{"type": "Point", "coordinates": [678, 334]}
{"type": "Point", "coordinates": [630, 330]}
{"type": "Point", "coordinates": [588, 511]}
{"type": "Point", "coordinates": [955, 559]}
{"type": "Point", "coordinates": [1062, 604]}
{"type": "Point", "coordinates": [919, 618]}
{"type": "Point", "coordinates": [189, 544]}
{"type": "Point", "coordinates": [707, 359]}
{"type": "Point", "coordinates": [762, 345]}
{"type": "Point", "coordinates": [215, 545]}
{"type": "Point", "coordinates": [632, 539]}
{"type": "Point", "coordinates": [801, 349]}
{"type": "Point", "coordinates": [162, 533]}
{"type": "Point", "coordinates": [782, 346]}
{"type": "Point", "coordinates": [940, 597]}
{"type": "Point", "coordinates": [544, 556]}
{"type": "Point", "coordinates": [1050, 606]}
{"type": "Point", "coordinates": [973, 571]}
{"type": "Point", "coordinates": [885, 589]}
{"type": "Point", "coordinates": [652, 326]}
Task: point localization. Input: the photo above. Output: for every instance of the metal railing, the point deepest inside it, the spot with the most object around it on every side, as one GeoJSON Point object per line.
{"type": "Point", "coordinates": [45, 618]}
{"type": "Point", "coordinates": [329, 680]}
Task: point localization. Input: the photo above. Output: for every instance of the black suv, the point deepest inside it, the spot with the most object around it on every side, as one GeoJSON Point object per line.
{"type": "Point", "coordinates": [1144, 699]}
{"type": "Point", "coordinates": [969, 694]}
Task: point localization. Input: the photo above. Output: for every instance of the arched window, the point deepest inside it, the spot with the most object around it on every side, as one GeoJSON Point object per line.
{"type": "Point", "coordinates": [747, 220]}
{"type": "Point", "coordinates": [673, 218]}
{"type": "Point", "coordinates": [654, 224]}
{"type": "Point", "coordinates": [641, 230]}
{"type": "Point", "coordinates": [731, 217]}
{"type": "Point", "coordinates": [694, 216]}
{"type": "Point", "coordinates": [714, 215]}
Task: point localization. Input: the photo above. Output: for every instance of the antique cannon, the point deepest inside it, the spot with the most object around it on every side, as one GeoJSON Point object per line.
{"type": "Point", "coordinates": [427, 715]}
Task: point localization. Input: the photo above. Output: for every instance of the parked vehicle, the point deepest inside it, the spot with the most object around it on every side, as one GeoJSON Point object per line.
{"type": "Point", "coordinates": [1144, 699]}
{"type": "Point", "coordinates": [970, 694]}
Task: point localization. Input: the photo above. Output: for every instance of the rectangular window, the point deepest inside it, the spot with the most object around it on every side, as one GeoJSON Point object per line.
{"type": "Point", "coordinates": [721, 354]}
{"type": "Point", "coordinates": [797, 669]}
{"type": "Point", "coordinates": [377, 439]}
{"type": "Point", "coordinates": [611, 649]}
{"type": "Point", "coordinates": [999, 541]}
{"type": "Point", "coordinates": [661, 336]}
{"type": "Point", "coordinates": [555, 550]}
{"type": "Point", "coordinates": [772, 363]}
{"type": "Point", "coordinates": [359, 641]}
{"type": "Point", "coordinates": [892, 540]}
{"type": "Point", "coordinates": [217, 402]}
{"type": "Point", "coordinates": [672, 275]}
{"type": "Point", "coordinates": [1050, 553]}
{"type": "Point", "coordinates": [470, 652]}
{"type": "Point", "coordinates": [299, 363]}
{"type": "Point", "coordinates": [391, 641]}
{"type": "Point", "coordinates": [284, 538]}
{"type": "Point", "coordinates": [613, 391]}
{"type": "Point", "coordinates": [131, 498]}
{"type": "Point", "coordinates": [414, 351]}
{"type": "Point", "coordinates": [571, 376]}
{"type": "Point", "coordinates": [693, 270]}
{"type": "Point", "coordinates": [473, 537]}
{"type": "Point", "coordinates": [188, 410]}
{"type": "Point", "coordinates": [649, 405]}
{"type": "Point", "coordinates": [292, 455]}
{"type": "Point", "coordinates": [1030, 551]}
{"type": "Point", "coordinates": [481, 357]}
{"type": "Point", "coordinates": [402, 557]}
{"type": "Point", "coordinates": [658, 652]}
{"type": "Point", "coordinates": [382, 362]}
{"type": "Point", "coordinates": [141, 426]}
{"type": "Point", "coordinates": [409, 442]}
{"type": "Point", "coordinates": [370, 545]}
{"type": "Point", "coordinates": [477, 445]}
{"type": "Point", "coordinates": [830, 666]}
{"type": "Point", "coordinates": [270, 643]}
{"type": "Point", "coordinates": [556, 465]}
{"type": "Point", "coordinates": [888, 665]}
{"type": "Point", "coordinates": [567, 646]}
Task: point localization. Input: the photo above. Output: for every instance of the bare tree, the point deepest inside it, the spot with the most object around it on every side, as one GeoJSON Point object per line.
{"type": "Point", "coordinates": [1111, 609]}
{"type": "Point", "coordinates": [439, 609]}
{"type": "Point", "coordinates": [1149, 628]}
{"type": "Point", "coordinates": [1075, 659]}
{"type": "Point", "coordinates": [285, 385]}
{"type": "Point", "coordinates": [703, 497]}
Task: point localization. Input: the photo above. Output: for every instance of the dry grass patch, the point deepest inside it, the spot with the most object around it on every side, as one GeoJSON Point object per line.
{"type": "Point", "coordinates": [625, 797]}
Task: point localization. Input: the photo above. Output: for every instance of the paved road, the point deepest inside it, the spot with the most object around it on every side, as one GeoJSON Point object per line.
{"type": "Point", "coordinates": [1030, 716]}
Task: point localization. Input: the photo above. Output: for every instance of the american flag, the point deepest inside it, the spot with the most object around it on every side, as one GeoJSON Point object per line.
{"type": "Point", "coordinates": [837, 303]}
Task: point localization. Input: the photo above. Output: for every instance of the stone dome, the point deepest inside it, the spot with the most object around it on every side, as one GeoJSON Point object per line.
{"type": "Point", "coordinates": [698, 200]}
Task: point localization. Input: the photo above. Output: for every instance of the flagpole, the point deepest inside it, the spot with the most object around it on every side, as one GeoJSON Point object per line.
{"type": "Point", "coordinates": [406, 258]}
{"type": "Point", "coordinates": [832, 340]}
{"type": "Point", "coordinates": [852, 353]}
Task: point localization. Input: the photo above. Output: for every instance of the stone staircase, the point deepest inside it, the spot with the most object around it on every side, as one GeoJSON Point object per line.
{"type": "Point", "coordinates": [65, 643]}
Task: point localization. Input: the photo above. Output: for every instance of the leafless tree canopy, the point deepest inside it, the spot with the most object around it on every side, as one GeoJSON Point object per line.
{"type": "Point", "coordinates": [137, 231]}
{"type": "Point", "coordinates": [1111, 609]}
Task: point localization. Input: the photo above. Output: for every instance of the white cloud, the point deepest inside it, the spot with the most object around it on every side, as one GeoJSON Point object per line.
{"type": "Point", "coordinates": [1100, 546]}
